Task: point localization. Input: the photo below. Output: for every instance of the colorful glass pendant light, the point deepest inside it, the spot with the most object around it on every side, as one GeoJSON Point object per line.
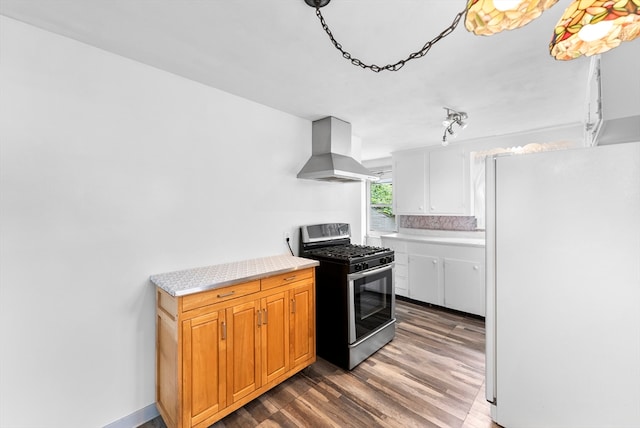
{"type": "Point", "coordinates": [590, 27]}
{"type": "Point", "coordinates": [487, 17]}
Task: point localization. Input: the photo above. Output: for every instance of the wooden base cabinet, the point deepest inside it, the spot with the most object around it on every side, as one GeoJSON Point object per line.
{"type": "Point", "coordinates": [219, 349]}
{"type": "Point", "coordinates": [302, 337]}
{"type": "Point", "coordinates": [203, 362]}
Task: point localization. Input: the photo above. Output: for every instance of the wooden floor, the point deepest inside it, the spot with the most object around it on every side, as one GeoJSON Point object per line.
{"type": "Point", "coordinates": [430, 375]}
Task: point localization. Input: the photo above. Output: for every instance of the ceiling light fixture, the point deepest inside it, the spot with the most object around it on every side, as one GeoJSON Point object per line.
{"type": "Point", "coordinates": [453, 118]}
{"type": "Point", "coordinates": [317, 4]}
{"type": "Point", "coordinates": [592, 27]}
{"type": "Point", "coordinates": [487, 17]}
{"type": "Point", "coordinates": [587, 27]}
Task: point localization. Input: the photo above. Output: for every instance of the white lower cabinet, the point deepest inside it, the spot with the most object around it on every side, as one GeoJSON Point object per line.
{"type": "Point", "coordinates": [451, 276]}
{"type": "Point", "coordinates": [464, 286]}
{"type": "Point", "coordinates": [424, 279]}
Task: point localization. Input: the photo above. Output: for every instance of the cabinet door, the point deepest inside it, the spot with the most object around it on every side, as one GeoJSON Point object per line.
{"type": "Point", "coordinates": [464, 286]}
{"type": "Point", "coordinates": [203, 367]}
{"type": "Point", "coordinates": [303, 322]}
{"type": "Point", "coordinates": [409, 181]}
{"type": "Point", "coordinates": [243, 350]}
{"type": "Point", "coordinates": [448, 182]}
{"type": "Point", "coordinates": [424, 279]}
{"type": "Point", "coordinates": [273, 322]}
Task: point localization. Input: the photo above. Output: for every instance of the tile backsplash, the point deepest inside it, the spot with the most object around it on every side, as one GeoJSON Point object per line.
{"type": "Point", "coordinates": [466, 223]}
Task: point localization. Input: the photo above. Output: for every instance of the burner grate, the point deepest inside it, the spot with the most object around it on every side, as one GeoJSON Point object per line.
{"type": "Point", "coordinates": [347, 252]}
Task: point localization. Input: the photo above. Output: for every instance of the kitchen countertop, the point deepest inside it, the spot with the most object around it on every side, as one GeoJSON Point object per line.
{"type": "Point", "coordinates": [445, 240]}
{"type": "Point", "coordinates": [189, 281]}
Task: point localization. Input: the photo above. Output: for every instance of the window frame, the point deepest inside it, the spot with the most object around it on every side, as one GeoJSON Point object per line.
{"type": "Point", "coordinates": [385, 176]}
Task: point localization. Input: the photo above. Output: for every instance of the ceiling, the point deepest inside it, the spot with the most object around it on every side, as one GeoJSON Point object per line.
{"type": "Point", "coordinates": [277, 54]}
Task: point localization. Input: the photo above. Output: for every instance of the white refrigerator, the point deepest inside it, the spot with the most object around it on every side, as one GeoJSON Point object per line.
{"type": "Point", "coordinates": [563, 288]}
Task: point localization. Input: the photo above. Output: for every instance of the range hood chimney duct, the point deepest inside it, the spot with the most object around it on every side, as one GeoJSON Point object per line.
{"type": "Point", "coordinates": [331, 154]}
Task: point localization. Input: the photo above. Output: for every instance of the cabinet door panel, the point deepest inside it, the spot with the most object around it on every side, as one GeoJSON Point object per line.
{"type": "Point", "coordinates": [447, 182]}
{"type": "Point", "coordinates": [302, 324]}
{"type": "Point", "coordinates": [464, 286]}
{"type": "Point", "coordinates": [274, 328]}
{"type": "Point", "coordinates": [424, 279]}
{"type": "Point", "coordinates": [243, 350]}
{"type": "Point", "coordinates": [204, 392]}
{"type": "Point", "coordinates": [409, 183]}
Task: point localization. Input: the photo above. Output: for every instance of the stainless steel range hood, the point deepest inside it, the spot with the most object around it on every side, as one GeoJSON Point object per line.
{"type": "Point", "coordinates": [331, 154]}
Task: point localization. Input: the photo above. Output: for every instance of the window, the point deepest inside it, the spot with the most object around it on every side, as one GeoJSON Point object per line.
{"type": "Point", "coordinates": [380, 214]}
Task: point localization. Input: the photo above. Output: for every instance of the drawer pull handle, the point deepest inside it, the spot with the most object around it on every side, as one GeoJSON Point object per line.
{"type": "Point", "coordinates": [230, 293]}
{"type": "Point", "coordinates": [290, 278]}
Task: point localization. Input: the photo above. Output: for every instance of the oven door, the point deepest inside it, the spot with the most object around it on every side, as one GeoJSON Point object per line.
{"type": "Point", "coordinates": [371, 301]}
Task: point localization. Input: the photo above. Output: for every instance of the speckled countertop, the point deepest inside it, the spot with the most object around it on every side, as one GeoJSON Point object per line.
{"type": "Point", "coordinates": [189, 281]}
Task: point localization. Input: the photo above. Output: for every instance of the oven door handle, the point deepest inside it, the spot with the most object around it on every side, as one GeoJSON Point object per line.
{"type": "Point", "coordinates": [360, 275]}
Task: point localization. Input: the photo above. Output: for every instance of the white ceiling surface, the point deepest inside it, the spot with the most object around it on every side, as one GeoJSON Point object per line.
{"type": "Point", "coordinates": [276, 53]}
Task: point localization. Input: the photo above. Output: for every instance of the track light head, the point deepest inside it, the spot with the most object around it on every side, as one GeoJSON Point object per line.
{"type": "Point", "coordinates": [453, 118]}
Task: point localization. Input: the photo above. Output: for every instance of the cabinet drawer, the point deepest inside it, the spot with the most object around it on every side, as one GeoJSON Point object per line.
{"type": "Point", "coordinates": [197, 300]}
{"type": "Point", "coordinates": [286, 278]}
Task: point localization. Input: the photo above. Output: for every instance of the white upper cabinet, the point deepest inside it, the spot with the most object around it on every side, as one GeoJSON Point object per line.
{"type": "Point", "coordinates": [409, 182]}
{"type": "Point", "coordinates": [449, 182]}
{"type": "Point", "coordinates": [432, 182]}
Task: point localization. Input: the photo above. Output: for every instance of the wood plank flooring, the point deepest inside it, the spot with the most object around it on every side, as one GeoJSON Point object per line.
{"type": "Point", "coordinates": [430, 375]}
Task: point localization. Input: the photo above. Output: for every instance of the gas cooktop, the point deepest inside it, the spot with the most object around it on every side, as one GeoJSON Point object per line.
{"type": "Point", "coordinates": [331, 242]}
{"type": "Point", "coordinates": [348, 252]}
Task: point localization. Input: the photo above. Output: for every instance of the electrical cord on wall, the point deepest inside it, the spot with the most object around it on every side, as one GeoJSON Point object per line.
{"type": "Point", "coordinates": [289, 245]}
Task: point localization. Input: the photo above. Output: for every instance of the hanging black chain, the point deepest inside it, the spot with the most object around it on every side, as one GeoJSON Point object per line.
{"type": "Point", "coordinates": [389, 67]}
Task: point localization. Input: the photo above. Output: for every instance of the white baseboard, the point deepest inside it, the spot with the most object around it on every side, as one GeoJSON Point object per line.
{"type": "Point", "coordinates": [136, 418]}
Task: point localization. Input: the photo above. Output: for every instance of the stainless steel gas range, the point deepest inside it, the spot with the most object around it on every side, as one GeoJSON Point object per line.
{"type": "Point", "coordinates": [355, 300]}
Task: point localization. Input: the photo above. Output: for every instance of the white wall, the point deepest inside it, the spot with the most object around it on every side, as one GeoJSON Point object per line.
{"type": "Point", "coordinates": [112, 171]}
{"type": "Point", "coordinates": [620, 83]}
{"type": "Point", "coordinates": [620, 94]}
